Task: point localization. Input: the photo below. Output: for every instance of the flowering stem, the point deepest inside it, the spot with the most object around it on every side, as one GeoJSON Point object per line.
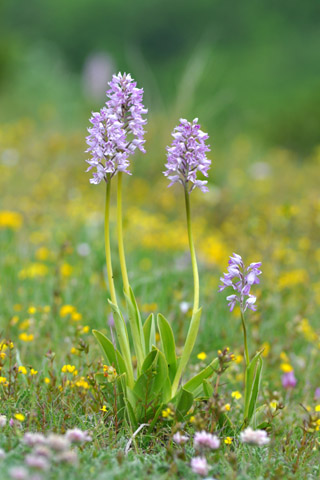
{"type": "Point", "coordinates": [107, 243]}
{"type": "Point", "coordinates": [196, 313]}
{"type": "Point", "coordinates": [246, 352]}
{"type": "Point", "coordinates": [120, 237]}
{"type": "Point", "coordinates": [193, 255]}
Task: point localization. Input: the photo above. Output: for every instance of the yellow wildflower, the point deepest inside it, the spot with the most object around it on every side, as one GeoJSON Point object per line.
{"type": "Point", "coordinates": [192, 419]}
{"type": "Point", "coordinates": [66, 310]}
{"type": "Point", "coordinates": [68, 368]}
{"type": "Point", "coordinates": [228, 440]}
{"type": "Point", "coordinates": [34, 270]}
{"type": "Point", "coordinates": [32, 310]}
{"type": "Point", "coordinates": [317, 408]}
{"type": "Point", "coordinates": [103, 409]}
{"type": "Point", "coordinates": [74, 351]}
{"type": "Point", "coordinates": [2, 355]}
{"type": "Point", "coordinates": [3, 380]}
{"type": "Point", "coordinates": [47, 380]}
{"type": "Point", "coordinates": [76, 316]}
{"type": "Point", "coordinates": [239, 358]}
{"type": "Point", "coordinates": [33, 371]}
{"type": "Point", "coordinates": [20, 417]}
{"type": "Point", "coordinates": [237, 395]}
{"type": "Point", "coordinates": [25, 337]}
{"type": "Point", "coordinates": [286, 367]}
{"type": "Point", "coordinates": [12, 220]}
{"type": "Point", "coordinates": [167, 413]}
{"type": "Point", "coordinates": [227, 407]}
{"type": "Point", "coordinates": [273, 404]}
{"type": "Point", "coordinates": [82, 383]}
{"type": "Point", "coordinates": [22, 370]}
{"type": "Point", "coordinates": [202, 356]}
{"type": "Point", "coordinates": [42, 253]}
{"type": "Point", "coordinates": [66, 270]}
{"type": "Point", "coordinates": [85, 329]}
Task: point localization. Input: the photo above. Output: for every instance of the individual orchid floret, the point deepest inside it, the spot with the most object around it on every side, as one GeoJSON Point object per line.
{"type": "Point", "coordinates": [187, 156]}
{"type": "Point", "coordinates": [289, 380]}
{"type": "Point", "coordinates": [117, 130]}
{"type": "Point", "coordinates": [205, 439]}
{"type": "Point", "coordinates": [254, 437]}
{"type": "Point", "coordinates": [241, 279]}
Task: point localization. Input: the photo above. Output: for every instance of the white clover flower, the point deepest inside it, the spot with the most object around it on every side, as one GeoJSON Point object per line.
{"type": "Point", "coordinates": [205, 439]}
{"type": "Point", "coordinates": [179, 438]}
{"type": "Point", "coordinates": [3, 421]}
{"type": "Point", "coordinates": [78, 436]}
{"type": "Point", "coordinates": [254, 437]}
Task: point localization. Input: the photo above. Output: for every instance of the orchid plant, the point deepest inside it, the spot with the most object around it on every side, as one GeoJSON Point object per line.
{"type": "Point", "coordinates": [241, 279]}
{"type": "Point", "coordinates": [155, 379]}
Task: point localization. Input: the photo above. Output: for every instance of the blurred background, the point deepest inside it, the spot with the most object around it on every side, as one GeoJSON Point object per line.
{"type": "Point", "coordinates": [248, 67]}
{"type": "Point", "coordinates": [249, 70]}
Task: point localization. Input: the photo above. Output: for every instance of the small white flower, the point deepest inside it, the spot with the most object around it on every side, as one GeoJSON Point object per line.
{"type": "Point", "coordinates": [3, 421]}
{"type": "Point", "coordinates": [78, 436]}
{"type": "Point", "coordinates": [184, 307]}
{"type": "Point", "coordinates": [33, 438]}
{"type": "Point", "coordinates": [58, 443]}
{"type": "Point", "coordinates": [199, 465]}
{"type": "Point", "coordinates": [179, 438]}
{"type": "Point", "coordinates": [254, 437]}
{"type": "Point", "coordinates": [205, 439]}
{"type": "Point", "coordinates": [38, 462]}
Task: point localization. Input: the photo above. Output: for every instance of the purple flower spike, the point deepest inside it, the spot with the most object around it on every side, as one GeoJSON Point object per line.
{"type": "Point", "coordinates": [289, 380]}
{"type": "Point", "coordinates": [117, 130]}
{"type": "Point", "coordinates": [244, 279]}
{"type": "Point", "coordinates": [187, 155]}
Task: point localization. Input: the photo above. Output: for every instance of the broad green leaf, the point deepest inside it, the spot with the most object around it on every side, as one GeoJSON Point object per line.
{"type": "Point", "coordinates": [136, 328]}
{"type": "Point", "coordinates": [183, 402]}
{"type": "Point", "coordinates": [255, 389]}
{"type": "Point", "coordinates": [148, 361]}
{"type": "Point", "coordinates": [112, 356]}
{"type": "Point", "coordinates": [149, 332]}
{"type": "Point", "coordinates": [253, 374]}
{"type": "Point", "coordinates": [207, 389]}
{"type": "Point", "coordinates": [153, 377]}
{"type": "Point", "coordinates": [123, 339]}
{"type": "Point", "coordinates": [197, 380]}
{"type": "Point", "coordinates": [188, 347]}
{"type": "Point", "coordinates": [168, 344]}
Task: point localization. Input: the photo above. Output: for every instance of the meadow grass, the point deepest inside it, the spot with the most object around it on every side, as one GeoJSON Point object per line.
{"type": "Point", "coordinates": [263, 203]}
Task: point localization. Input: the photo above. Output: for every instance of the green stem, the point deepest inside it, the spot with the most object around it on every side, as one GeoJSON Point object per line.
{"type": "Point", "coordinates": [120, 237]}
{"type": "Point", "coordinates": [107, 243]}
{"type": "Point", "coordinates": [196, 313]}
{"type": "Point", "coordinates": [193, 255]}
{"type": "Point", "coordinates": [246, 352]}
